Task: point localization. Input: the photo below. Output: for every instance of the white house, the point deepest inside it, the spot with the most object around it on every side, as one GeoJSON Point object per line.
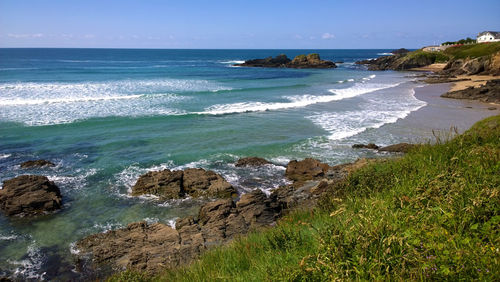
{"type": "Point", "coordinates": [488, 36]}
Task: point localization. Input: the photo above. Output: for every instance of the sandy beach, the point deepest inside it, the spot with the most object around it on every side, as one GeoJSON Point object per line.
{"type": "Point", "coordinates": [440, 114]}
{"type": "Point", "coordinates": [475, 81]}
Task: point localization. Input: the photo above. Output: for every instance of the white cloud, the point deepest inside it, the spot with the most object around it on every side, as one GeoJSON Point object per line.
{"type": "Point", "coordinates": [297, 36]}
{"type": "Point", "coordinates": [327, 35]}
{"type": "Point", "coordinates": [17, 35]}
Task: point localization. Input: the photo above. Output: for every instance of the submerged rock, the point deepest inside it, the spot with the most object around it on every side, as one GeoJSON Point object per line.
{"type": "Point", "coordinates": [251, 161]}
{"type": "Point", "coordinates": [195, 182]}
{"type": "Point", "coordinates": [282, 61]}
{"type": "Point", "coordinates": [488, 93]}
{"type": "Point", "coordinates": [36, 163]}
{"type": "Point", "coordinates": [29, 195]}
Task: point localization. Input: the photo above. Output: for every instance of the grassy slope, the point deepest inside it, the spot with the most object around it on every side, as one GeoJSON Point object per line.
{"type": "Point", "coordinates": [433, 214]}
{"type": "Point", "coordinates": [473, 51]}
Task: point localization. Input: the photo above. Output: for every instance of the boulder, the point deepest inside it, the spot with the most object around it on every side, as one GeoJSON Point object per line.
{"type": "Point", "coordinates": [166, 183]}
{"type": "Point", "coordinates": [36, 163]}
{"type": "Point", "coordinates": [29, 195]}
{"type": "Point", "coordinates": [251, 161]}
{"type": "Point", "coordinates": [195, 182]}
{"type": "Point", "coordinates": [365, 146]}
{"type": "Point", "coordinates": [400, 51]}
{"type": "Point", "coordinates": [398, 148]}
{"type": "Point", "coordinates": [306, 169]}
{"type": "Point", "coordinates": [488, 93]}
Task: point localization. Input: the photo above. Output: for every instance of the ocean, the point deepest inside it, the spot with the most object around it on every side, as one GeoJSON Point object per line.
{"type": "Point", "coordinates": [106, 116]}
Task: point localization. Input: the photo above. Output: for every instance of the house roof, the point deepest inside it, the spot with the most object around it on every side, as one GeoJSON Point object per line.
{"type": "Point", "coordinates": [495, 34]}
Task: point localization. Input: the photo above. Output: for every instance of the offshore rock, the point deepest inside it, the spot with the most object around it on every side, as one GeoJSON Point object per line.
{"type": "Point", "coordinates": [36, 163]}
{"type": "Point", "coordinates": [195, 182]}
{"type": "Point", "coordinates": [251, 161]}
{"type": "Point", "coordinates": [29, 195]}
{"type": "Point", "coordinates": [488, 93]}
{"type": "Point", "coordinates": [282, 61]}
{"type": "Point", "coordinates": [365, 146]}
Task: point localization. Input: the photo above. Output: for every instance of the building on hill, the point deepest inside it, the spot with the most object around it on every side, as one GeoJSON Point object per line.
{"type": "Point", "coordinates": [488, 36]}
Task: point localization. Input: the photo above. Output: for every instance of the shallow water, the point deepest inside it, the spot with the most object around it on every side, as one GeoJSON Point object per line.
{"type": "Point", "coordinates": [106, 116]}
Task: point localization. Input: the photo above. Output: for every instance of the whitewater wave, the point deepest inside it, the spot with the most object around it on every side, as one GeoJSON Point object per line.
{"type": "Point", "coordinates": [4, 156]}
{"type": "Point", "coordinates": [63, 100]}
{"type": "Point", "coordinates": [385, 54]}
{"type": "Point", "coordinates": [29, 268]}
{"type": "Point", "coordinates": [233, 62]}
{"type": "Point", "coordinates": [375, 114]}
{"type": "Point", "coordinates": [295, 101]}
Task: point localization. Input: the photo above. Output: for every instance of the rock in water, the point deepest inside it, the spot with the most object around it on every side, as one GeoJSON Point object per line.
{"type": "Point", "coordinates": [251, 161]}
{"type": "Point", "coordinates": [36, 163]}
{"type": "Point", "coordinates": [165, 183]}
{"type": "Point", "coordinates": [195, 182]}
{"type": "Point", "coordinates": [282, 61]}
{"type": "Point", "coordinates": [29, 195]}
{"type": "Point", "coordinates": [365, 146]}
{"type": "Point", "coordinates": [306, 169]}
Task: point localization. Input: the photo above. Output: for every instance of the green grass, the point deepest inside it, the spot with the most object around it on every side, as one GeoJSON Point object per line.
{"type": "Point", "coordinates": [433, 214]}
{"type": "Point", "coordinates": [473, 51]}
{"type": "Point", "coordinates": [435, 57]}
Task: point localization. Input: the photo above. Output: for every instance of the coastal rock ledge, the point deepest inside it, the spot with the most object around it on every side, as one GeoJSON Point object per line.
{"type": "Point", "coordinates": [175, 184]}
{"type": "Point", "coordinates": [311, 61]}
{"type": "Point", "coordinates": [29, 195]}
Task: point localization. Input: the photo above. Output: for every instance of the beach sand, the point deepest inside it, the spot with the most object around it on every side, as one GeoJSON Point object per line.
{"type": "Point", "coordinates": [440, 114]}
{"type": "Point", "coordinates": [475, 81]}
{"type": "Point", "coordinates": [433, 68]}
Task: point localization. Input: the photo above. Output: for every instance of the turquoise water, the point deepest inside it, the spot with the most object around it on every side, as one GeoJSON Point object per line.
{"type": "Point", "coordinates": [106, 116]}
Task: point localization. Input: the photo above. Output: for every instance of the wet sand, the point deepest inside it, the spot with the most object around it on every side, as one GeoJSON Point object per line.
{"type": "Point", "coordinates": [440, 114]}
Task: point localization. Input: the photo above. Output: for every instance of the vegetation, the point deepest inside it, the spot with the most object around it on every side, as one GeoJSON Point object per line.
{"type": "Point", "coordinates": [461, 41]}
{"type": "Point", "coordinates": [433, 214]}
{"type": "Point", "coordinates": [473, 51]}
{"type": "Point", "coordinates": [435, 57]}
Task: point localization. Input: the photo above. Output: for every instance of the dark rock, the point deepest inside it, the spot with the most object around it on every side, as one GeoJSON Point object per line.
{"type": "Point", "coordinates": [488, 93]}
{"type": "Point", "coordinates": [252, 161]}
{"type": "Point", "coordinates": [492, 108]}
{"type": "Point", "coordinates": [365, 146]}
{"type": "Point", "coordinates": [29, 195]}
{"type": "Point", "coordinates": [397, 62]}
{"type": "Point", "coordinates": [310, 61]}
{"type": "Point", "coordinates": [443, 79]}
{"type": "Point", "coordinates": [306, 169]}
{"type": "Point", "coordinates": [282, 61]}
{"type": "Point", "coordinates": [339, 62]}
{"type": "Point", "coordinates": [400, 51]}
{"type": "Point", "coordinates": [36, 163]}
{"type": "Point", "coordinates": [195, 182]}
{"type": "Point", "coordinates": [166, 184]}
{"type": "Point", "coordinates": [398, 148]}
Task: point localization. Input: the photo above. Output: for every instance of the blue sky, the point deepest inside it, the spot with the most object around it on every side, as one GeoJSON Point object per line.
{"type": "Point", "coordinates": [242, 24]}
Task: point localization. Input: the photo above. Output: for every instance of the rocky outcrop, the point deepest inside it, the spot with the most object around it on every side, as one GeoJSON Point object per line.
{"type": "Point", "coordinates": [400, 51]}
{"type": "Point", "coordinates": [306, 169]}
{"type": "Point", "coordinates": [398, 148]}
{"type": "Point", "coordinates": [282, 61]}
{"type": "Point", "coordinates": [485, 65]}
{"type": "Point", "coordinates": [36, 163]}
{"type": "Point", "coordinates": [365, 146]}
{"type": "Point", "coordinates": [488, 93]}
{"type": "Point", "coordinates": [398, 62]}
{"type": "Point", "coordinates": [251, 161]}
{"type": "Point", "coordinates": [310, 61]}
{"type": "Point", "coordinates": [195, 182]}
{"type": "Point", "coordinates": [29, 195]}
{"type": "Point", "coordinates": [153, 247]}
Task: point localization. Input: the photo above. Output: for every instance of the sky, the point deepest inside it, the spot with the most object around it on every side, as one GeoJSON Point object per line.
{"type": "Point", "coordinates": [238, 24]}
